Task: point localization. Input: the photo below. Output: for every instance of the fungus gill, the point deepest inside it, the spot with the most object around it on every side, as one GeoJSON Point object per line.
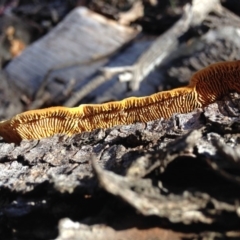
{"type": "Point", "coordinates": [205, 87]}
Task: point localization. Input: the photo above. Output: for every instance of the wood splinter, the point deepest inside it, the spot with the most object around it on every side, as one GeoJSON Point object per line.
{"type": "Point", "coordinates": [205, 87]}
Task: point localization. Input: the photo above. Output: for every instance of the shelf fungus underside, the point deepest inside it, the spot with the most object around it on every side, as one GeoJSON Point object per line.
{"type": "Point", "coordinates": [206, 86]}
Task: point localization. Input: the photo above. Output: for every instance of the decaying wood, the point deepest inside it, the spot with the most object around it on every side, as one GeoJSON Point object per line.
{"type": "Point", "coordinates": [161, 49]}
{"type": "Point", "coordinates": [174, 178]}
{"type": "Point", "coordinates": [160, 169]}
{"type": "Point", "coordinates": [166, 43]}
{"type": "Point", "coordinates": [208, 45]}
{"type": "Point", "coordinates": [146, 62]}
{"type": "Point", "coordinates": [75, 39]}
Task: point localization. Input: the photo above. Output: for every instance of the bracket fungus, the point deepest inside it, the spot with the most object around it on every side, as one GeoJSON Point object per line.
{"type": "Point", "coordinates": [205, 87]}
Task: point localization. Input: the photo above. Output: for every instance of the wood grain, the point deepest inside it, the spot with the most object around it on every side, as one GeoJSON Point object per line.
{"type": "Point", "coordinates": [205, 87]}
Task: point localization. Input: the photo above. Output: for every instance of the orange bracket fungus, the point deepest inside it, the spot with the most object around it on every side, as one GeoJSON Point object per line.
{"type": "Point", "coordinates": [205, 87]}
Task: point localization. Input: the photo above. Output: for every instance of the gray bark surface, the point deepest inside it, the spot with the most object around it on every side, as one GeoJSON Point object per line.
{"type": "Point", "coordinates": [184, 170]}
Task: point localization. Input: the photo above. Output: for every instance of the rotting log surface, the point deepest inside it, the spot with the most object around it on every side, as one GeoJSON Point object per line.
{"type": "Point", "coordinates": [164, 181]}
{"type": "Point", "coordinates": [183, 170]}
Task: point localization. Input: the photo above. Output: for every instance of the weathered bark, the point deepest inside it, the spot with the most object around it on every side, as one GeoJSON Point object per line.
{"type": "Point", "coordinates": [167, 179]}
{"type": "Point", "coordinates": [166, 169]}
